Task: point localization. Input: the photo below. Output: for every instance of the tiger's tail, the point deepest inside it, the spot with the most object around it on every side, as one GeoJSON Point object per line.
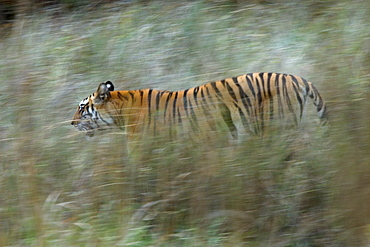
{"type": "Point", "coordinates": [319, 102]}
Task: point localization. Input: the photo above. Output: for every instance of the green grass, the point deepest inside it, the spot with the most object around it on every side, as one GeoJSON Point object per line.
{"type": "Point", "coordinates": [59, 189]}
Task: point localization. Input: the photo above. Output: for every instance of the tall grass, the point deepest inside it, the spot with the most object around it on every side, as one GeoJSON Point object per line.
{"type": "Point", "coordinates": [59, 189]}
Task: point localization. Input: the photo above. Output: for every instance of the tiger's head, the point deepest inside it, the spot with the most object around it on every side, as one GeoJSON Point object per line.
{"type": "Point", "coordinates": [90, 115]}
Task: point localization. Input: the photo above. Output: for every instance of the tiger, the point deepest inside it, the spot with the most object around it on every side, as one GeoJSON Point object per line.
{"type": "Point", "coordinates": [241, 105]}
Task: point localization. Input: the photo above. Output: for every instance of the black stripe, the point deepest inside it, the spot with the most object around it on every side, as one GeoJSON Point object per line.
{"type": "Point", "coordinates": [90, 108]}
{"type": "Point", "coordinates": [259, 108]}
{"type": "Point", "coordinates": [271, 100]}
{"type": "Point", "coordinates": [250, 84]}
{"type": "Point", "coordinates": [185, 101]}
{"type": "Point", "coordinates": [269, 76]}
{"type": "Point", "coordinates": [149, 106]}
{"type": "Point", "coordinates": [300, 100]}
{"type": "Point", "coordinates": [259, 90]}
{"type": "Point", "coordinates": [174, 107]}
{"type": "Point", "coordinates": [225, 110]}
{"type": "Point", "coordinates": [245, 100]}
{"type": "Point", "coordinates": [204, 102]}
{"type": "Point", "coordinates": [306, 85]}
{"type": "Point", "coordinates": [141, 97]}
{"type": "Point", "coordinates": [157, 100]}
{"type": "Point", "coordinates": [179, 116]}
{"type": "Point", "coordinates": [243, 96]}
{"type": "Point", "coordinates": [213, 84]}
{"type": "Point", "coordinates": [205, 107]}
{"type": "Point", "coordinates": [231, 90]}
{"type": "Point", "coordinates": [195, 93]}
{"type": "Point", "coordinates": [121, 96]}
{"type": "Point", "coordinates": [297, 90]}
{"type": "Point", "coordinates": [264, 93]}
{"type": "Point", "coordinates": [191, 119]}
{"type": "Point", "coordinates": [251, 87]}
{"type": "Point", "coordinates": [320, 105]}
{"type": "Point", "coordinates": [226, 115]}
{"type": "Point", "coordinates": [280, 94]}
{"type": "Point", "coordinates": [193, 122]}
{"type": "Point", "coordinates": [166, 105]}
{"type": "Point", "coordinates": [288, 102]}
{"type": "Point", "coordinates": [132, 96]}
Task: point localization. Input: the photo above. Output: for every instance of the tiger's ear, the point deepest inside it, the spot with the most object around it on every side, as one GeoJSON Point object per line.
{"type": "Point", "coordinates": [103, 91]}
{"type": "Point", "coordinates": [110, 85]}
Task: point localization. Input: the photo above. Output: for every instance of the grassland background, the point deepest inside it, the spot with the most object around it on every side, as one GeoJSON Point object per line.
{"type": "Point", "coordinates": [59, 189]}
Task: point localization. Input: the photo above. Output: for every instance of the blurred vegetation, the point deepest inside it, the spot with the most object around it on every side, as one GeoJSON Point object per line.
{"type": "Point", "coordinates": [59, 189]}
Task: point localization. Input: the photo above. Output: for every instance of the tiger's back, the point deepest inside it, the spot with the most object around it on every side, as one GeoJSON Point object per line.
{"type": "Point", "coordinates": [249, 103]}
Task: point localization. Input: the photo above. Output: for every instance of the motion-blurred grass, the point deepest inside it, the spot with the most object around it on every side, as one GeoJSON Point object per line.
{"type": "Point", "coordinates": [59, 189]}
